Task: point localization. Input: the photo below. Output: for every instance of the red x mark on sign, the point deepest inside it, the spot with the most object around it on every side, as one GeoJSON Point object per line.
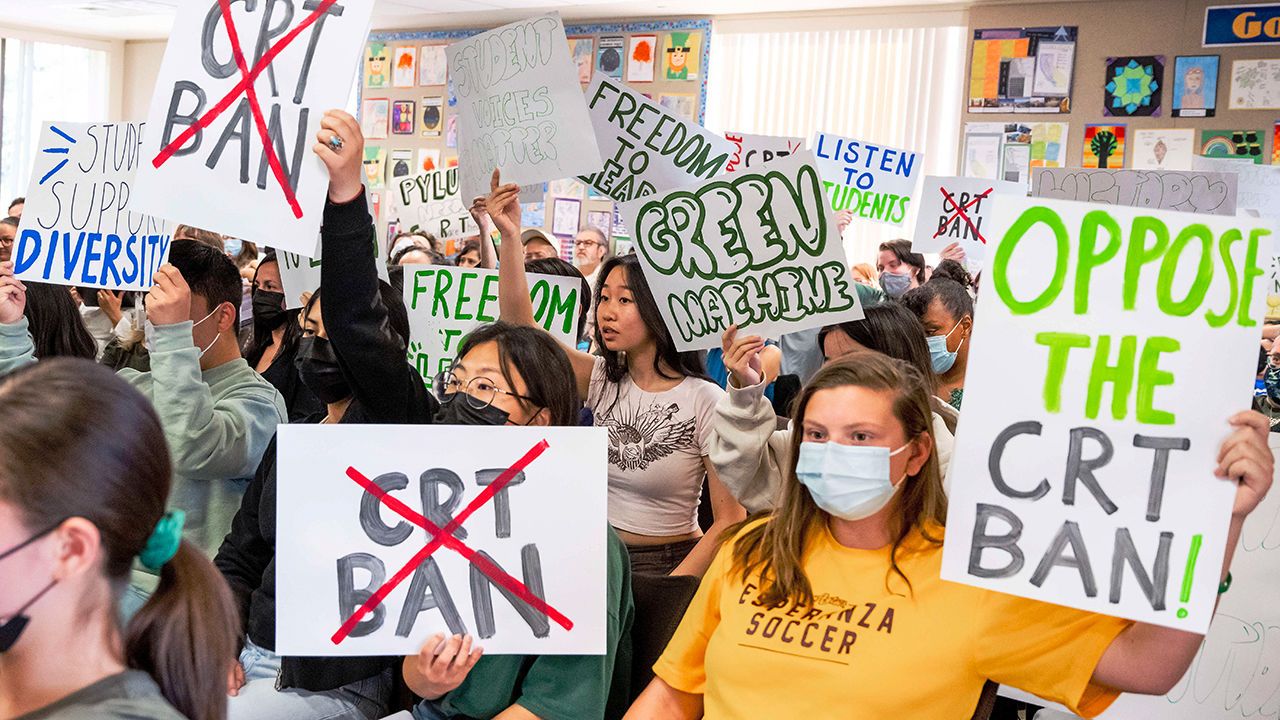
{"type": "Point", "coordinates": [245, 87]}
{"type": "Point", "coordinates": [444, 536]}
{"type": "Point", "coordinates": [949, 199]}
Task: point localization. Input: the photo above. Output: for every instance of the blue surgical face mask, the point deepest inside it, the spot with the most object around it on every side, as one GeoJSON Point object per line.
{"type": "Point", "coordinates": [939, 355]}
{"type": "Point", "coordinates": [850, 482]}
{"type": "Point", "coordinates": [233, 246]}
{"type": "Point", "coordinates": [895, 285]}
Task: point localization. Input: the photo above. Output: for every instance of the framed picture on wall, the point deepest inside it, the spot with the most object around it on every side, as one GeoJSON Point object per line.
{"type": "Point", "coordinates": [375, 115]}
{"type": "Point", "coordinates": [402, 117]}
{"type": "Point", "coordinates": [1195, 85]}
{"type": "Point", "coordinates": [641, 54]}
{"type": "Point", "coordinates": [564, 221]}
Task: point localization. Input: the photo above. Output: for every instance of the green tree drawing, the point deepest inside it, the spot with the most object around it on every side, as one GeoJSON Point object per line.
{"type": "Point", "coordinates": [1103, 145]}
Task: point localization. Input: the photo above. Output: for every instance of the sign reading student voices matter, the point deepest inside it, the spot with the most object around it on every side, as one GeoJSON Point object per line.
{"type": "Point", "coordinates": [1114, 345]}
{"type": "Point", "coordinates": [388, 534]}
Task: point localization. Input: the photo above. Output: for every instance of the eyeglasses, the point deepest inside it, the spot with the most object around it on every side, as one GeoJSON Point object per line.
{"type": "Point", "coordinates": [480, 391]}
{"type": "Point", "coordinates": [6, 241]}
{"type": "Point", "coordinates": [584, 242]}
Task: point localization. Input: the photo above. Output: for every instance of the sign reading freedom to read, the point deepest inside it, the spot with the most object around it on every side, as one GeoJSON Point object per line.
{"type": "Point", "coordinates": [1114, 345]}
{"type": "Point", "coordinates": [388, 534]}
{"type": "Point", "coordinates": [956, 210]}
{"type": "Point", "coordinates": [79, 226]}
{"type": "Point", "coordinates": [446, 303]}
{"type": "Point", "coordinates": [235, 114]}
{"type": "Point", "coordinates": [757, 249]}
{"type": "Point", "coordinates": [646, 149]}
{"type": "Point", "coordinates": [431, 202]}
{"type": "Point", "coordinates": [519, 106]}
{"type": "Point", "coordinates": [875, 182]}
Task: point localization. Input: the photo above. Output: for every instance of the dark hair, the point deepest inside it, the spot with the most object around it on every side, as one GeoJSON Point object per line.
{"type": "Point", "coordinates": [392, 300]}
{"type": "Point", "coordinates": [113, 470]}
{"type": "Point", "coordinates": [204, 237]}
{"type": "Point", "coordinates": [540, 361]}
{"type": "Point", "coordinates": [262, 339]}
{"type": "Point", "coordinates": [436, 258]}
{"type": "Point", "coordinates": [954, 298]}
{"type": "Point", "coordinates": [470, 245]}
{"type": "Point", "coordinates": [952, 270]}
{"type": "Point", "coordinates": [248, 253]}
{"type": "Point", "coordinates": [890, 329]}
{"type": "Point", "coordinates": [901, 249]}
{"type": "Point", "coordinates": [57, 329]}
{"type": "Point", "coordinates": [209, 273]}
{"type": "Point", "coordinates": [18, 201]}
{"type": "Point", "coordinates": [558, 266]}
{"type": "Point", "coordinates": [11, 221]}
{"type": "Point", "coordinates": [431, 239]}
{"type": "Point", "coordinates": [685, 364]}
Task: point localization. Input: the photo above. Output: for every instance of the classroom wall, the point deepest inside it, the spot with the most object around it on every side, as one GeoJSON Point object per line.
{"type": "Point", "coordinates": [1125, 27]}
{"type": "Point", "coordinates": [141, 67]}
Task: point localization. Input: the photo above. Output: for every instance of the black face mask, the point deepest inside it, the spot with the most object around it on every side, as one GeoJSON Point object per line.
{"type": "Point", "coordinates": [12, 628]}
{"type": "Point", "coordinates": [268, 309]}
{"type": "Point", "coordinates": [456, 410]}
{"type": "Point", "coordinates": [320, 371]}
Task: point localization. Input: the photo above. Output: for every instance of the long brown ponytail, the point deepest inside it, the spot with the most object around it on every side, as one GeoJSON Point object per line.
{"type": "Point", "coordinates": [77, 441]}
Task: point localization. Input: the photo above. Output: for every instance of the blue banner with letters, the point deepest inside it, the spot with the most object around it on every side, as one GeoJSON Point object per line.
{"type": "Point", "coordinates": [1242, 25]}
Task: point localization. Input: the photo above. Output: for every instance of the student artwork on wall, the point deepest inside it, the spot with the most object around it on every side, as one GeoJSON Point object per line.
{"type": "Point", "coordinates": [580, 49]}
{"type": "Point", "coordinates": [1103, 146]}
{"type": "Point", "coordinates": [402, 117]}
{"type": "Point", "coordinates": [401, 164]}
{"type": "Point", "coordinates": [609, 58]}
{"type": "Point", "coordinates": [680, 55]}
{"type": "Point", "coordinates": [428, 160]}
{"type": "Point", "coordinates": [432, 115]}
{"type": "Point", "coordinates": [1195, 85]}
{"type": "Point", "coordinates": [1164, 149]}
{"type": "Point", "coordinates": [1133, 86]}
{"type": "Point", "coordinates": [377, 66]}
{"type": "Point", "coordinates": [680, 104]}
{"type": "Point", "coordinates": [375, 166]}
{"type": "Point", "coordinates": [451, 132]}
{"type": "Point", "coordinates": [640, 58]}
{"type": "Point", "coordinates": [1022, 70]}
{"type": "Point", "coordinates": [1032, 145]}
{"type": "Point", "coordinates": [1275, 144]}
{"type": "Point", "coordinates": [1242, 144]}
{"type": "Point", "coordinates": [405, 71]}
{"type": "Point", "coordinates": [433, 69]}
{"type": "Point", "coordinates": [375, 115]}
{"type": "Point", "coordinates": [1255, 85]}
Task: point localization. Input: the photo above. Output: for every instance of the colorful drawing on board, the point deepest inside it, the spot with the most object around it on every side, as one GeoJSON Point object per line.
{"type": "Point", "coordinates": [432, 115]}
{"type": "Point", "coordinates": [609, 58]}
{"type": "Point", "coordinates": [451, 132]}
{"type": "Point", "coordinates": [1103, 146]}
{"type": "Point", "coordinates": [581, 50]}
{"type": "Point", "coordinates": [405, 72]}
{"type": "Point", "coordinates": [1134, 86]}
{"type": "Point", "coordinates": [377, 66]}
{"type": "Point", "coordinates": [402, 117]}
{"type": "Point", "coordinates": [401, 163]}
{"type": "Point", "coordinates": [681, 55]}
{"type": "Point", "coordinates": [1195, 85]}
{"type": "Point", "coordinates": [375, 167]}
{"type": "Point", "coordinates": [640, 57]}
{"type": "Point", "coordinates": [432, 66]}
{"type": "Point", "coordinates": [1275, 144]}
{"type": "Point", "coordinates": [428, 160]}
{"type": "Point", "coordinates": [682, 105]}
{"type": "Point", "coordinates": [375, 115]}
{"type": "Point", "coordinates": [1022, 70]}
{"type": "Point", "coordinates": [1243, 144]}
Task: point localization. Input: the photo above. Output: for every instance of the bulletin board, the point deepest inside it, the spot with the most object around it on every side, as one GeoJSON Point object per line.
{"type": "Point", "coordinates": [404, 77]}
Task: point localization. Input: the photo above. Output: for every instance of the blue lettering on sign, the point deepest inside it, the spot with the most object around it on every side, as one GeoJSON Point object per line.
{"type": "Point", "coordinates": [1242, 25]}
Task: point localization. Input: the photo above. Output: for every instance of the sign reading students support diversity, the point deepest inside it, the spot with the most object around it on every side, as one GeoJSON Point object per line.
{"type": "Point", "coordinates": [1114, 345]}
{"type": "Point", "coordinates": [236, 111]}
{"type": "Point", "coordinates": [755, 249]}
{"type": "Point", "coordinates": [380, 544]}
{"type": "Point", "coordinates": [79, 226]}
{"type": "Point", "coordinates": [645, 148]}
{"type": "Point", "coordinates": [519, 106]}
{"type": "Point", "coordinates": [446, 303]}
{"type": "Point", "coordinates": [432, 202]}
{"type": "Point", "coordinates": [876, 182]}
{"type": "Point", "coordinates": [956, 210]}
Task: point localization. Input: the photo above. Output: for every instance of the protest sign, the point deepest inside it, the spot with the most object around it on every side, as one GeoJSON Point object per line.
{"type": "Point", "coordinates": [752, 151]}
{"type": "Point", "coordinates": [446, 303]}
{"type": "Point", "coordinates": [1258, 186]}
{"type": "Point", "coordinates": [236, 110]}
{"type": "Point", "coordinates": [300, 274]}
{"type": "Point", "coordinates": [876, 182]}
{"type": "Point", "coordinates": [757, 249]}
{"type": "Point", "coordinates": [1212, 193]}
{"type": "Point", "coordinates": [80, 225]}
{"type": "Point", "coordinates": [474, 515]}
{"type": "Point", "coordinates": [519, 106]}
{"type": "Point", "coordinates": [1115, 343]}
{"type": "Point", "coordinates": [954, 210]}
{"type": "Point", "coordinates": [431, 202]}
{"type": "Point", "coordinates": [645, 148]}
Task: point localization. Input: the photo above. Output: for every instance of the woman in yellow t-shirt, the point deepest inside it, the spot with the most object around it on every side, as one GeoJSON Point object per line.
{"type": "Point", "coordinates": [856, 621]}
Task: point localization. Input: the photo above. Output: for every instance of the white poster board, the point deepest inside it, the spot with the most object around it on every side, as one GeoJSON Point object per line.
{"type": "Point", "coordinates": [446, 303]}
{"type": "Point", "coordinates": [1259, 185]}
{"type": "Point", "coordinates": [226, 85]}
{"type": "Point", "coordinates": [519, 107]}
{"type": "Point", "coordinates": [80, 225]}
{"type": "Point", "coordinates": [955, 210]}
{"type": "Point", "coordinates": [432, 202]}
{"type": "Point", "coordinates": [300, 274]}
{"type": "Point", "coordinates": [360, 505]}
{"type": "Point", "coordinates": [1099, 386]}
{"type": "Point", "coordinates": [752, 151]}
{"type": "Point", "coordinates": [757, 249]}
{"type": "Point", "coordinates": [644, 148]}
{"type": "Point", "coordinates": [875, 181]}
{"type": "Point", "coordinates": [1194, 191]}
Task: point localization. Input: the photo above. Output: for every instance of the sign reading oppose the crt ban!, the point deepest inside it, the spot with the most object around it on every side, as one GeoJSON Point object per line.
{"type": "Point", "coordinates": [757, 249]}
{"type": "Point", "coordinates": [1114, 345]}
{"type": "Point", "coordinates": [387, 534]}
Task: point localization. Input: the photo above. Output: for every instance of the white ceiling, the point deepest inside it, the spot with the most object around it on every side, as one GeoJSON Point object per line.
{"type": "Point", "coordinates": [151, 19]}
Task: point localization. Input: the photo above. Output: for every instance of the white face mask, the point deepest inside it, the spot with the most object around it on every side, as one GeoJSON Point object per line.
{"type": "Point", "coordinates": [850, 482]}
{"type": "Point", "coordinates": [149, 333]}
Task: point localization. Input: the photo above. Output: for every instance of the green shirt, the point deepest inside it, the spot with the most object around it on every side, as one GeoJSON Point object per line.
{"type": "Point", "coordinates": [130, 695]}
{"type": "Point", "coordinates": [558, 687]}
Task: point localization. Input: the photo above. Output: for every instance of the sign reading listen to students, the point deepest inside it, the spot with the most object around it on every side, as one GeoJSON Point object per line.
{"type": "Point", "coordinates": [387, 534]}
{"type": "Point", "coordinates": [520, 106]}
{"type": "Point", "coordinates": [432, 202]}
{"type": "Point", "coordinates": [1114, 345]}
{"type": "Point", "coordinates": [874, 181]}
{"type": "Point", "coordinates": [236, 111]}
{"type": "Point", "coordinates": [446, 303]}
{"type": "Point", "coordinates": [758, 249]}
{"type": "Point", "coordinates": [79, 226]}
